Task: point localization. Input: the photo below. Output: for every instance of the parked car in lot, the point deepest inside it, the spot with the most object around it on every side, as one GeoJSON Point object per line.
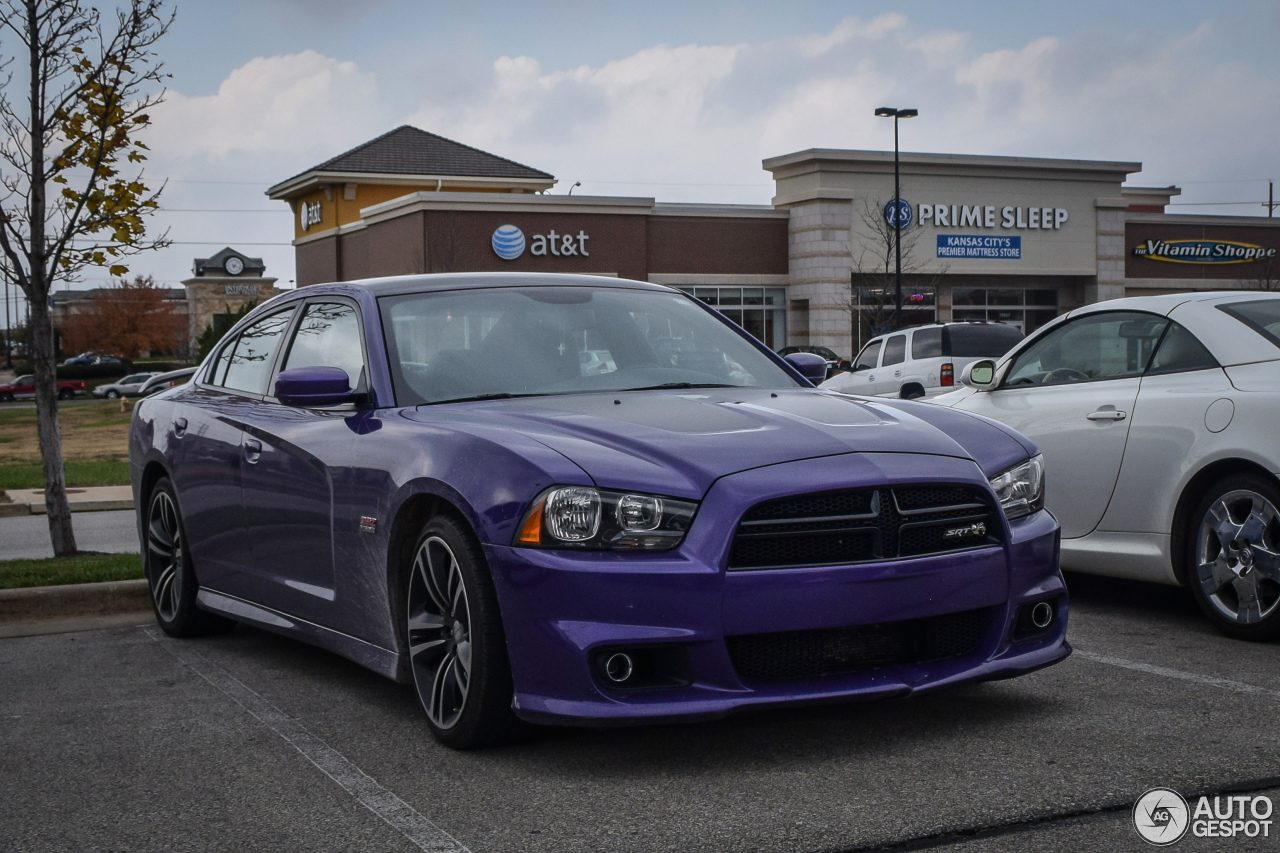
{"type": "Point", "coordinates": [915, 363]}
{"type": "Point", "coordinates": [1158, 418]}
{"type": "Point", "coordinates": [834, 362]}
{"type": "Point", "coordinates": [24, 388]}
{"type": "Point", "coordinates": [130, 386]}
{"type": "Point", "coordinates": [165, 381]}
{"type": "Point", "coordinates": [417, 473]}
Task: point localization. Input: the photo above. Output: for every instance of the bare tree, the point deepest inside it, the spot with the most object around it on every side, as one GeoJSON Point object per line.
{"type": "Point", "coordinates": [872, 297]}
{"type": "Point", "coordinates": [70, 112]}
{"type": "Point", "coordinates": [1266, 275]}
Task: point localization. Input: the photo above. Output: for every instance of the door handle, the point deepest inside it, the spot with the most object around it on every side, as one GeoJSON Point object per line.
{"type": "Point", "coordinates": [1108, 415]}
{"type": "Point", "coordinates": [180, 427]}
{"type": "Point", "coordinates": [252, 450]}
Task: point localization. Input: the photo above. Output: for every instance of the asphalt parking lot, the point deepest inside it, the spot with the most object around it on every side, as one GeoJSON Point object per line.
{"type": "Point", "coordinates": [123, 739]}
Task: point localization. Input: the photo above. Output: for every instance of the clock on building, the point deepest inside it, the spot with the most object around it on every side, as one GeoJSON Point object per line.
{"type": "Point", "coordinates": [234, 266]}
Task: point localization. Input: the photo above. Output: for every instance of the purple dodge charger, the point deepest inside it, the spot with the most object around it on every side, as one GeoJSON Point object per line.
{"type": "Point", "coordinates": [573, 499]}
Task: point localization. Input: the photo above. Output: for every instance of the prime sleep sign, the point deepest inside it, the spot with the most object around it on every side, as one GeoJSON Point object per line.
{"type": "Point", "coordinates": [979, 246]}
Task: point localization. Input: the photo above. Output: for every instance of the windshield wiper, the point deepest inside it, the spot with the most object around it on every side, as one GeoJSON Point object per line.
{"type": "Point", "coordinates": [681, 385]}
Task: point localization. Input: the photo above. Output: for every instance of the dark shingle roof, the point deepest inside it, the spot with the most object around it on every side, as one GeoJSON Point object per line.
{"type": "Point", "coordinates": [410, 151]}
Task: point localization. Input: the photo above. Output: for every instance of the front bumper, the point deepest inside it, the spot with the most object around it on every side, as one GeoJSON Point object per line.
{"type": "Point", "coordinates": [559, 606]}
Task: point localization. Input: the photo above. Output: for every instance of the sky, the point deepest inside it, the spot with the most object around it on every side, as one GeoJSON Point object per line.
{"type": "Point", "coordinates": [682, 100]}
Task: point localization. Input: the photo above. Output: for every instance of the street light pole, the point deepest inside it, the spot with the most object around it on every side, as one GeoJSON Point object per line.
{"type": "Point", "coordinates": [885, 112]}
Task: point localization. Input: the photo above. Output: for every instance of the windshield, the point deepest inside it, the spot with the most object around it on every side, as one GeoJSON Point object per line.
{"type": "Point", "coordinates": [467, 344]}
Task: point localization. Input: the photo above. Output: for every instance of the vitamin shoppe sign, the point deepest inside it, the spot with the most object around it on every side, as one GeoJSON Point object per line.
{"type": "Point", "coordinates": [1202, 251]}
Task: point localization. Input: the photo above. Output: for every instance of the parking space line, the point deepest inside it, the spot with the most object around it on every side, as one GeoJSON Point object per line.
{"type": "Point", "coordinates": [377, 799]}
{"type": "Point", "coordinates": [1224, 683]}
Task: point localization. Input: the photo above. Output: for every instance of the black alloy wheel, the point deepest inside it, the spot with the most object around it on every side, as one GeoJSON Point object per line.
{"type": "Point", "coordinates": [1233, 557]}
{"type": "Point", "coordinates": [167, 565]}
{"type": "Point", "coordinates": [457, 649]}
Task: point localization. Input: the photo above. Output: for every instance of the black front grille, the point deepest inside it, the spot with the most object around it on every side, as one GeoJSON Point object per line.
{"type": "Point", "coordinates": [864, 525]}
{"type": "Point", "coordinates": [806, 654]}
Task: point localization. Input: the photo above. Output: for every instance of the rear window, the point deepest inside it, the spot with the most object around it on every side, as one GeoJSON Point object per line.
{"type": "Point", "coordinates": [977, 341]}
{"type": "Point", "coordinates": [1263, 316]}
{"type": "Point", "coordinates": [895, 350]}
{"type": "Point", "coordinates": [926, 343]}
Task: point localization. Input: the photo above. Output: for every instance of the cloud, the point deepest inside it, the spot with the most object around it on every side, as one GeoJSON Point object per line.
{"type": "Point", "coordinates": [302, 101]}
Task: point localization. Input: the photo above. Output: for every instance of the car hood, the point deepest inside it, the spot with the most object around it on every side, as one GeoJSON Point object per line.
{"type": "Point", "coordinates": [680, 442]}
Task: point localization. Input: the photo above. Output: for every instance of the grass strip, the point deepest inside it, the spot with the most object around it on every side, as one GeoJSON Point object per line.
{"type": "Point", "coordinates": [56, 571]}
{"type": "Point", "coordinates": [80, 473]}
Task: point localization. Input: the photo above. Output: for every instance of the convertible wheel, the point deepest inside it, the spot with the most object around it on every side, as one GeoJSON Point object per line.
{"type": "Point", "coordinates": [167, 565]}
{"type": "Point", "coordinates": [457, 649]}
{"type": "Point", "coordinates": [1234, 560]}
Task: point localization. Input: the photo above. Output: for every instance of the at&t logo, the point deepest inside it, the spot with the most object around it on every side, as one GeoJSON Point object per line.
{"type": "Point", "coordinates": [508, 242]}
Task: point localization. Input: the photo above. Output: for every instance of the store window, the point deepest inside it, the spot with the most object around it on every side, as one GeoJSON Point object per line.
{"type": "Point", "coordinates": [762, 311]}
{"type": "Point", "coordinates": [1027, 309]}
{"type": "Point", "coordinates": [872, 309]}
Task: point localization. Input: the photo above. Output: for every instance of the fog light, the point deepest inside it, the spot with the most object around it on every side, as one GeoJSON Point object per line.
{"type": "Point", "coordinates": [618, 668]}
{"type": "Point", "coordinates": [1042, 615]}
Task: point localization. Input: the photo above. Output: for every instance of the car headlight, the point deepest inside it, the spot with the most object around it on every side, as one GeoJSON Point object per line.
{"type": "Point", "coordinates": [1021, 488]}
{"type": "Point", "coordinates": [600, 519]}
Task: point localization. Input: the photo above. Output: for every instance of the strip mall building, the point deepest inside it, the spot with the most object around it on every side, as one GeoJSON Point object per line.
{"type": "Point", "coordinates": [1010, 239]}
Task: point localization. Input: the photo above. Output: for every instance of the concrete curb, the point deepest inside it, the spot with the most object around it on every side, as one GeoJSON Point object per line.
{"type": "Point", "coordinates": [86, 506]}
{"type": "Point", "coordinates": [79, 599]}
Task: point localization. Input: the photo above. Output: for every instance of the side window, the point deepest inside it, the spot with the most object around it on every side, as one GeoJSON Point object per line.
{"type": "Point", "coordinates": [868, 357]}
{"type": "Point", "coordinates": [249, 366]}
{"type": "Point", "coordinates": [218, 374]}
{"type": "Point", "coordinates": [1180, 351]}
{"type": "Point", "coordinates": [895, 350]}
{"type": "Point", "coordinates": [1097, 346]}
{"type": "Point", "coordinates": [328, 336]}
{"type": "Point", "coordinates": [926, 343]}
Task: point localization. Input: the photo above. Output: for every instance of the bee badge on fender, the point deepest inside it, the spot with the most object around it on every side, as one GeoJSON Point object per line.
{"type": "Point", "coordinates": [978, 528]}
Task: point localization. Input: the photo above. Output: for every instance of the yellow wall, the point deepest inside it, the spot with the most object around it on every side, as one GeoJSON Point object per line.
{"type": "Point", "coordinates": [339, 211]}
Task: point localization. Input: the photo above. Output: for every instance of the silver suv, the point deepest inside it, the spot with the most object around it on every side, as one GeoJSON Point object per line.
{"type": "Point", "coordinates": [926, 360]}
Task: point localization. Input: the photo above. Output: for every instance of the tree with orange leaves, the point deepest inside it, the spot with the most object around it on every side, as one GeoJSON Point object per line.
{"type": "Point", "coordinates": [126, 319]}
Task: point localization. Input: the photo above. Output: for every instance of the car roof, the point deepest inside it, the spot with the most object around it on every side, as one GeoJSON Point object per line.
{"type": "Point", "coordinates": [396, 285]}
{"type": "Point", "coordinates": [1166, 302]}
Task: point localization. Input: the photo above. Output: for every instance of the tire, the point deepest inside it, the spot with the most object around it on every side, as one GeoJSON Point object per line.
{"type": "Point", "coordinates": [113, 394]}
{"type": "Point", "coordinates": [911, 392]}
{"type": "Point", "coordinates": [6, 397]}
{"type": "Point", "coordinates": [457, 648]}
{"type": "Point", "coordinates": [166, 562]}
{"type": "Point", "coordinates": [66, 394]}
{"type": "Point", "coordinates": [1232, 556]}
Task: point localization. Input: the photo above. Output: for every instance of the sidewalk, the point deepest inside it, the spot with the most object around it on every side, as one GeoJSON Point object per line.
{"type": "Point", "coordinates": [89, 499]}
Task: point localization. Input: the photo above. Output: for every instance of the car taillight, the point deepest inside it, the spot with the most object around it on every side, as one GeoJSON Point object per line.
{"type": "Point", "coordinates": [948, 375]}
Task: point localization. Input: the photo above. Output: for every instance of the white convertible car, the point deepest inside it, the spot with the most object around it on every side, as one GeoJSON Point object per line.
{"type": "Point", "coordinates": [1159, 421]}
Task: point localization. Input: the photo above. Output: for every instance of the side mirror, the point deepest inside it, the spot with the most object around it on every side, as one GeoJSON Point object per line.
{"type": "Point", "coordinates": [810, 365]}
{"type": "Point", "coordinates": [980, 375]}
{"type": "Point", "coordinates": [844, 364]}
{"type": "Point", "coordinates": [313, 386]}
